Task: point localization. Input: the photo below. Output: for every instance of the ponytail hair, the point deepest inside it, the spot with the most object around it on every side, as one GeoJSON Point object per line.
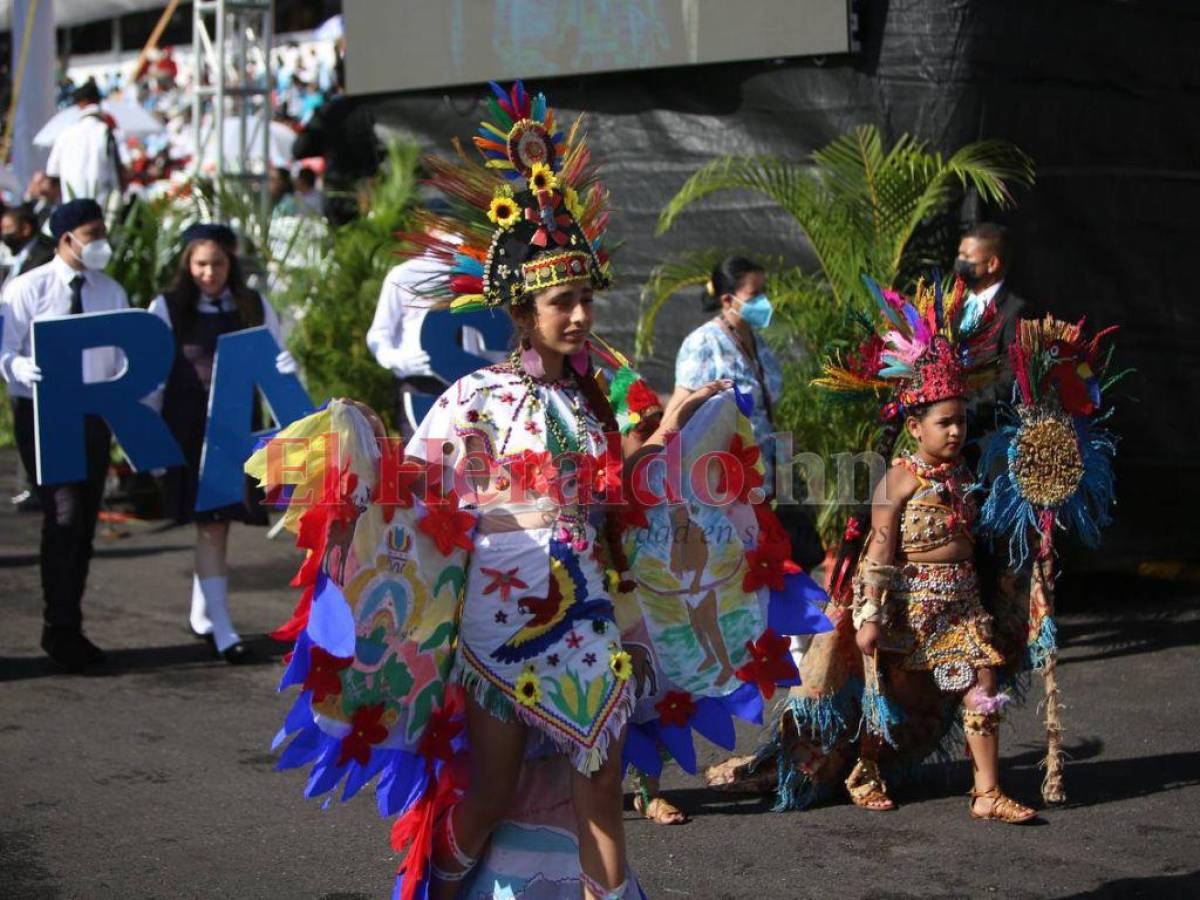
{"type": "Point", "coordinates": [726, 278]}
{"type": "Point", "coordinates": [598, 402]}
{"type": "Point", "coordinates": [852, 546]}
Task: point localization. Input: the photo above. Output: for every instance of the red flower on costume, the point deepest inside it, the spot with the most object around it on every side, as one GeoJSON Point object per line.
{"type": "Point", "coordinates": [745, 458]}
{"type": "Point", "coordinates": [770, 663]}
{"type": "Point", "coordinates": [770, 529]}
{"type": "Point", "coordinates": [533, 472]}
{"type": "Point", "coordinates": [365, 731]}
{"type": "Point", "coordinates": [502, 581]}
{"type": "Point", "coordinates": [397, 476]}
{"type": "Point", "coordinates": [447, 525]}
{"type": "Point", "coordinates": [441, 729]}
{"type": "Point", "coordinates": [323, 677]}
{"type": "Point", "coordinates": [605, 470]}
{"type": "Point", "coordinates": [676, 708]}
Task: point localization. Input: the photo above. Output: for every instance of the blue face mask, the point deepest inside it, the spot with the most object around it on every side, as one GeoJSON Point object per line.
{"type": "Point", "coordinates": [756, 312]}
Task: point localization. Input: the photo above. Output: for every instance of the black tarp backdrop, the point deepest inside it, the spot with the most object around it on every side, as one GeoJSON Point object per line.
{"type": "Point", "coordinates": [1103, 95]}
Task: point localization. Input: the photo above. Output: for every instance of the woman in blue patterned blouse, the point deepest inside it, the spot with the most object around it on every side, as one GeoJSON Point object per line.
{"type": "Point", "coordinates": [730, 345]}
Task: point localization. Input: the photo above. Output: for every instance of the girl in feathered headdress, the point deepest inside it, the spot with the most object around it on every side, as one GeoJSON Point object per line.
{"type": "Point", "coordinates": [912, 647]}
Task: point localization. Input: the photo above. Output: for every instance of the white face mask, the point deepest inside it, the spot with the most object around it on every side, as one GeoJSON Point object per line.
{"type": "Point", "coordinates": [94, 255]}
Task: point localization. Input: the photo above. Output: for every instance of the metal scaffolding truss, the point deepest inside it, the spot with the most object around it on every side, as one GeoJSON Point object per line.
{"type": "Point", "coordinates": [231, 108]}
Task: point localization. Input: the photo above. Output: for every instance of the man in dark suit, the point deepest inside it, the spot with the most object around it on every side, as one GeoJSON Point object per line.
{"type": "Point", "coordinates": [984, 258]}
{"type": "Point", "coordinates": [984, 255]}
{"type": "Point", "coordinates": [29, 248]}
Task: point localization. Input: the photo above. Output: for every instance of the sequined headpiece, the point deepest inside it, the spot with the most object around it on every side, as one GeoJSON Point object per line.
{"type": "Point", "coordinates": [530, 217]}
{"type": "Point", "coordinates": [923, 350]}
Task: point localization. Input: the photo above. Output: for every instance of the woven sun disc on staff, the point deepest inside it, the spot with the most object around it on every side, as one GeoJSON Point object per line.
{"type": "Point", "coordinates": [1047, 465]}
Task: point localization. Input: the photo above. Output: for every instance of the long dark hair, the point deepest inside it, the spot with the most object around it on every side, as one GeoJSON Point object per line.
{"type": "Point", "coordinates": [183, 295]}
{"type": "Point", "coordinates": [597, 401]}
{"type": "Point", "coordinates": [726, 278]}
{"type": "Point", "coordinates": [851, 547]}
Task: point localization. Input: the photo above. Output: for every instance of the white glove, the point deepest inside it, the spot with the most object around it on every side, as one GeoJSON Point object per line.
{"type": "Point", "coordinates": [403, 366]}
{"type": "Point", "coordinates": [25, 370]}
{"type": "Point", "coordinates": [285, 363]}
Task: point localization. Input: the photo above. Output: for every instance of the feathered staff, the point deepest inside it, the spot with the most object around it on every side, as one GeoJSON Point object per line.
{"type": "Point", "coordinates": [1054, 465]}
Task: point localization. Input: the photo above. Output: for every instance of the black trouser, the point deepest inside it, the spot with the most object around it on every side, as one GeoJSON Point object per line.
{"type": "Point", "coordinates": [69, 513]}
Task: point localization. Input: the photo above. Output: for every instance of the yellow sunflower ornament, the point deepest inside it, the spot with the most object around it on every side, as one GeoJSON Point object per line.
{"type": "Point", "coordinates": [529, 688]}
{"type": "Point", "coordinates": [542, 178]}
{"type": "Point", "coordinates": [621, 665]}
{"type": "Point", "coordinates": [503, 210]}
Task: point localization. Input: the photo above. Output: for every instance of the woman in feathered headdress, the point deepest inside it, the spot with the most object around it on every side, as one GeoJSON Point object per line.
{"type": "Point", "coordinates": [462, 639]}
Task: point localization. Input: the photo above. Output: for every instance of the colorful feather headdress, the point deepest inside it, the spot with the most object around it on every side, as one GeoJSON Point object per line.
{"type": "Point", "coordinates": [531, 215]}
{"type": "Point", "coordinates": [922, 350]}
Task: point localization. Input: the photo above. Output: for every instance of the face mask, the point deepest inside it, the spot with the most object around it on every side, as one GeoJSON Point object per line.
{"type": "Point", "coordinates": [95, 254]}
{"type": "Point", "coordinates": [756, 312]}
{"type": "Point", "coordinates": [13, 243]}
{"type": "Point", "coordinates": [965, 269]}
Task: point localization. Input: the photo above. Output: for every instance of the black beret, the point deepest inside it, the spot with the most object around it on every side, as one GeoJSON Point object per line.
{"type": "Point", "coordinates": [210, 231]}
{"type": "Point", "coordinates": [72, 214]}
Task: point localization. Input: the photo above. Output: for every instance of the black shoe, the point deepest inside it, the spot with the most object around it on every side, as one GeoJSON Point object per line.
{"type": "Point", "coordinates": [236, 654]}
{"type": "Point", "coordinates": [198, 635]}
{"type": "Point", "coordinates": [95, 655]}
{"type": "Point", "coordinates": [67, 649]}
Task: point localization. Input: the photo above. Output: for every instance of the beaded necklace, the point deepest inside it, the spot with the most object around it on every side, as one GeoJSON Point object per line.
{"type": "Point", "coordinates": [950, 479]}
{"type": "Point", "coordinates": [572, 521]}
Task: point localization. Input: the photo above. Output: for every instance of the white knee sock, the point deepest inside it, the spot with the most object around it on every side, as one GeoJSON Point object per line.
{"type": "Point", "coordinates": [198, 617]}
{"type": "Point", "coordinates": [216, 591]}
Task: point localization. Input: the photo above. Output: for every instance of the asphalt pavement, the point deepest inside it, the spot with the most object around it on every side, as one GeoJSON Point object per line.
{"type": "Point", "coordinates": [156, 781]}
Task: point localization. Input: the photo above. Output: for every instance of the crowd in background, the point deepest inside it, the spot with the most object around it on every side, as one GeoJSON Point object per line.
{"type": "Point", "coordinates": [304, 78]}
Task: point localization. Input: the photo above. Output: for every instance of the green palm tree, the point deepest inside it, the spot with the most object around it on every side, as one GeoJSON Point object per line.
{"type": "Point", "coordinates": [865, 209]}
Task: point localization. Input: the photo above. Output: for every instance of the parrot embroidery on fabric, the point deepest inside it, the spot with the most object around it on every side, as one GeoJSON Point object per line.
{"type": "Point", "coordinates": [554, 615]}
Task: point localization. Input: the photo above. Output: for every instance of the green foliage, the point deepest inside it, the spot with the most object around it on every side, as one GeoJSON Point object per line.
{"type": "Point", "coordinates": [866, 209]}
{"type": "Point", "coordinates": [335, 301]}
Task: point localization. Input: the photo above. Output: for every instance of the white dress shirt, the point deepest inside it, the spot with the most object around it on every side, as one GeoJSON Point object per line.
{"type": "Point", "coordinates": [212, 305]}
{"type": "Point", "coordinates": [396, 328]}
{"type": "Point", "coordinates": [80, 160]}
{"type": "Point", "coordinates": [46, 292]}
{"type": "Point", "coordinates": [976, 304]}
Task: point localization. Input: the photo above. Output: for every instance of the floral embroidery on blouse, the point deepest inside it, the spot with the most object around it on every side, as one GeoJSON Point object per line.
{"type": "Point", "coordinates": [708, 353]}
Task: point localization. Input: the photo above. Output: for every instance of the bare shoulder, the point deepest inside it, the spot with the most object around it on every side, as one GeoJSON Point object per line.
{"type": "Point", "coordinates": [897, 486]}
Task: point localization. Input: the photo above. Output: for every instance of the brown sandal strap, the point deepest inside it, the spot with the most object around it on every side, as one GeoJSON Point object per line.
{"type": "Point", "coordinates": [1004, 808]}
{"type": "Point", "coordinates": [647, 809]}
{"type": "Point", "coordinates": [866, 786]}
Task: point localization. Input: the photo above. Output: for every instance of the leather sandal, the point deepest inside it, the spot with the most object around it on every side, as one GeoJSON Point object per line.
{"type": "Point", "coordinates": [1004, 808]}
{"type": "Point", "coordinates": [867, 788]}
{"type": "Point", "coordinates": [659, 811]}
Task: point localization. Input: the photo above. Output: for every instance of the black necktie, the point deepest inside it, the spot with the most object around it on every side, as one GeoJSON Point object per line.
{"type": "Point", "coordinates": [76, 295]}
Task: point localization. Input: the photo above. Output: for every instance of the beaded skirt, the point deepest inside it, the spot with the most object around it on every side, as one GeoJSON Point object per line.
{"type": "Point", "coordinates": [934, 617]}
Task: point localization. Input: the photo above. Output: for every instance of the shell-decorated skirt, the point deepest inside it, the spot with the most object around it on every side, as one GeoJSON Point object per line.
{"type": "Point", "coordinates": [936, 619]}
